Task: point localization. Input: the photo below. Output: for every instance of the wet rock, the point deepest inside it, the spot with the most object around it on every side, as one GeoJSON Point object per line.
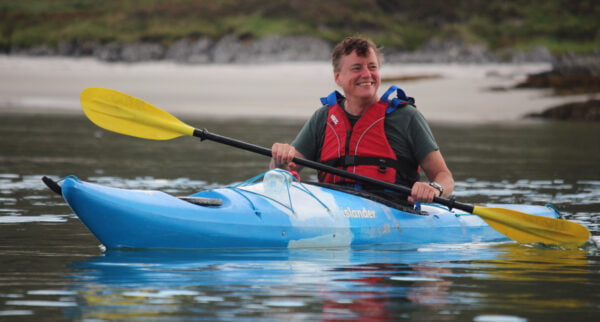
{"type": "Point", "coordinates": [579, 111]}
{"type": "Point", "coordinates": [570, 74]}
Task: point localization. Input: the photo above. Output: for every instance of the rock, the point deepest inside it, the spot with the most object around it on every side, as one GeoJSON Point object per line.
{"type": "Point", "coordinates": [232, 49]}
{"type": "Point", "coordinates": [579, 111]}
{"type": "Point", "coordinates": [226, 49]}
{"type": "Point", "coordinates": [444, 51]}
{"type": "Point", "coordinates": [534, 55]}
{"type": "Point", "coordinates": [190, 51]}
{"type": "Point", "coordinates": [110, 52]}
{"type": "Point", "coordinates": [66, 48]}
{"type": "Point", "coordinates": [200, 51]}
{"type": "Point", "coordinates": [583, 65]}
{"type": "Point", "coordinates": [139, 51]}
{"type": "Point", "coordinates": [41, 50]}
{"type": "Point", "coordinates": [80, 48]}
{"type": "Point", "coordinates": [76, 48]}
{"type": "Point", "coordinates": [130, 52]}
{"type": "Point", "coordinates": [570, 74]}
{"type": "Point", "coordinates": [229, 49]}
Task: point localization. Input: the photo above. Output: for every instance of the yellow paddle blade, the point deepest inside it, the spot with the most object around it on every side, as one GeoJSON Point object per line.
{"type": "Point", "coordinates": [124, 114]}
{"type": "Point", "coordinates": [526, 228]}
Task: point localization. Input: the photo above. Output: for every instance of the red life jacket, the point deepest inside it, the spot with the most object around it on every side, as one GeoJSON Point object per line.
{"type": "Point", "coordinates": [363, 148]}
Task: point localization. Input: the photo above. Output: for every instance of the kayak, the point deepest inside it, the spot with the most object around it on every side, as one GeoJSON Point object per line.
{"type": "Point", "coordinates": [272, 210]}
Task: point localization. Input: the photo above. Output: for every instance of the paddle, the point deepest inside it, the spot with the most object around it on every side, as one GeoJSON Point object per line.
{"type": "Point", "coordinates": [128, 115]}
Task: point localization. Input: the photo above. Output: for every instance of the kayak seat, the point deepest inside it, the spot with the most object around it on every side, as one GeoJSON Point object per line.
{"type": "Point", "coordinates": [212, 202]}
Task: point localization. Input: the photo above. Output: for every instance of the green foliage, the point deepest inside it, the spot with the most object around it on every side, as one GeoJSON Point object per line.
{"type": "Point", "coordinates": [561, 25]}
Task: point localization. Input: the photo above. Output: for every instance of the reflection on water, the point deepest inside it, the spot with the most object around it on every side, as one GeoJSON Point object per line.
{"type": "Point", "coordinates": [431, 283]}
{"type": "Point", "coordinates": [52, 265]}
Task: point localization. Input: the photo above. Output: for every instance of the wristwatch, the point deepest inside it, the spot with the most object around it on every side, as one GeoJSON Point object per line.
{"type": "Point", "coordinates": [438, 187]}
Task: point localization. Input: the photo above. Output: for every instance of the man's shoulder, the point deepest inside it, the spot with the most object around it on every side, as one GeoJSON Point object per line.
{"type": "Point", "coordinates": [404, 110]}
{"type": "Point", "coordinates": [403, 114]}
{"type": "Point", "coordinates": [320, 114]}
{"type": "Point", "coordinates": [322, 110]}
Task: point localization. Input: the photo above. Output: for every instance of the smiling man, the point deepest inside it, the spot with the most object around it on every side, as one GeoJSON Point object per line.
{"type": "Point", "coordinates": [385, 137]}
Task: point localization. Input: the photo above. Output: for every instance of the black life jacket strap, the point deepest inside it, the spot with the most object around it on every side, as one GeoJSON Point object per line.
{"type": "Point", "coordinates": [406, 171]}
{"type": "Point", "coordinates": [354, 160]}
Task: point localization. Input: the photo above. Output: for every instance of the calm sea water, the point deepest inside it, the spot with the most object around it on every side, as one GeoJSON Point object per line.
{"type": "Point", "coordinates": [52, 268]}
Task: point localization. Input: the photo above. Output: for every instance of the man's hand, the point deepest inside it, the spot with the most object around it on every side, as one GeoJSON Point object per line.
{"type": "Point", "coordinates": [282, 156]}
{"type": "Point", "coordinates": [423, 192]}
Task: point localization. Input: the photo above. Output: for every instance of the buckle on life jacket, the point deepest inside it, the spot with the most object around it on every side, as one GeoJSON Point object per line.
{"type": "Point", "coordinates": [397, 101]}
{"type": "Point", "coordinates": [348, 160]}
{"type": "Point", "coordinates": [382, 166]}
{"type": "Point", "coordinates": [334, 98]}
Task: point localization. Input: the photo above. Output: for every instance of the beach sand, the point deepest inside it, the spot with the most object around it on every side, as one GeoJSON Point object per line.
{"type": "Point", "coordinates": [461, 93]}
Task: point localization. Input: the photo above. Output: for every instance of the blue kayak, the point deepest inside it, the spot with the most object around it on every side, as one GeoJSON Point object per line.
{"type": "Point", "coordinates": [269, 211]}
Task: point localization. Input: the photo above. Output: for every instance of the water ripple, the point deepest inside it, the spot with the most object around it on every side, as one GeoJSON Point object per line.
{"type": "Point", "coordinates": [532, 191]}
{"type": "Point", "coordinates": [42, 303]}
{"type": "Point", "coordinates": [30, 219]}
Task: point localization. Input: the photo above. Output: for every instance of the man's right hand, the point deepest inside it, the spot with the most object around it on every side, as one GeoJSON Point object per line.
{"type": "Point", "coordinates": [282, 156]}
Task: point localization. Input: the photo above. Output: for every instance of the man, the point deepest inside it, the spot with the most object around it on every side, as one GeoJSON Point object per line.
{"type": "Point", "coordinates": [361, 133]}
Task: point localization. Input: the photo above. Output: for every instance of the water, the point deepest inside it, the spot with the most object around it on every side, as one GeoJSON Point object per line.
{"type": "Point", "coordinates": [52, 267]}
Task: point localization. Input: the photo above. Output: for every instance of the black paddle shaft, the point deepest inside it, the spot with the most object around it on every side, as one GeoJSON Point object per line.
{"type": "Point", "coordinates": [206, 135]}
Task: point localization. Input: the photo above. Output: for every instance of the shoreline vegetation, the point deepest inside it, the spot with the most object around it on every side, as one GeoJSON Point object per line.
{"type": "Point", "coordinates": [562, 32]}
{"type": "Point", "coordinates": [502, 26]}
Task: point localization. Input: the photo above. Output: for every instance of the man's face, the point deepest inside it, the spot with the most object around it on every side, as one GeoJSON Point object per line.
{"type": "Point", "coordinates": [359, 76]}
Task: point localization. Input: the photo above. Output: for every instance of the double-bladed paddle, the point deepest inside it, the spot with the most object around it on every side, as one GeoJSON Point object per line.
{"type": "Point", "coordinates": [125, 114]}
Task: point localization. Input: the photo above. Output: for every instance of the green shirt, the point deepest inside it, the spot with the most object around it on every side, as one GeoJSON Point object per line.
{"type": "Point", "coordinates": [407, 132]}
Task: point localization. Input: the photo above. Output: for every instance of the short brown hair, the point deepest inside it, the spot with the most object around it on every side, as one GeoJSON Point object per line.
{"type": "Point", "coordinates": [350, 44]}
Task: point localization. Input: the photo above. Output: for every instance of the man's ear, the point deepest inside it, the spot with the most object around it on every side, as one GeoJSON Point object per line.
{"type": "Point", "coordinates": [336, 77]}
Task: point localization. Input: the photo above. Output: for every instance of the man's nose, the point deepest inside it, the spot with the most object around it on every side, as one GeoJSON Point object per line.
{"type": "Point", "coordinates": [365, 72]}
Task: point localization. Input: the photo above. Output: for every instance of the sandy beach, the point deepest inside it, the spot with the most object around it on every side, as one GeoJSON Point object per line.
{"type": "Point", "coordinates": [461, 93]}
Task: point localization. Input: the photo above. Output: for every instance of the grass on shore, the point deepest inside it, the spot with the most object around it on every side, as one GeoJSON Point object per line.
{"type": "Point", "coordinates": [559, 25]}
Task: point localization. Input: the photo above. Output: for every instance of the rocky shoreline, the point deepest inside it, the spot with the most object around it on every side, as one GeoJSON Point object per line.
{"type": "Point", "coordinates": [234, 49]}
{"type": "Point", "coordinates": [587, 111]}
{"type": "Point", "coordinates": [570, 75]}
